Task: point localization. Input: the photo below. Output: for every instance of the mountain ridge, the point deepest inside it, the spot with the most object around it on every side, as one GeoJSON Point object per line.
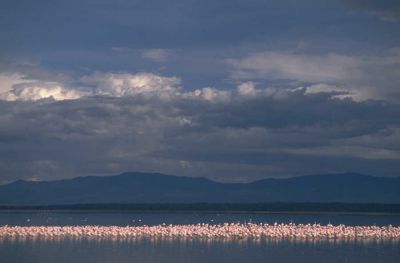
{"type": "Point", "coordinates": [138, 187]}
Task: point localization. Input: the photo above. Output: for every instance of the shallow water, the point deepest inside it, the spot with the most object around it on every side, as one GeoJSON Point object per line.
{"type": "Point", "coordinates": [134, 218]}
{"type": "Point", "coordinates": [144, 250]}
{"type": "Point", "coordinates": [181, 250]}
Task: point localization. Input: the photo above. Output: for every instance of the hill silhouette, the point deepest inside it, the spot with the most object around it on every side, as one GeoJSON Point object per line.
{"type": "Point", "coordinates": [135, 187]}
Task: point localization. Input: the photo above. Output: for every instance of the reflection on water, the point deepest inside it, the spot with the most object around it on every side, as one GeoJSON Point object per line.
{"type": "Point", "coordinates": [157, 240]}
{"type": "Point", "coordinates": [195, 250]}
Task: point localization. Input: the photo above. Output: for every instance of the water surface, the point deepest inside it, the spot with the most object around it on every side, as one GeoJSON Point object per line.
{"type": "Point", "coordinates": [134, 218]}
{"type": "Point", "coordinates": [176, 251]}
{"type": "Point", "coordinates": [192, 250]}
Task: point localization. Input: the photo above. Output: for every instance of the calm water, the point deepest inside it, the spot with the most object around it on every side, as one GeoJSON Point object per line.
{"type": "Point", "coordinates": [146, 250]}
{"type": "Point", "coordinates": [123, 219]}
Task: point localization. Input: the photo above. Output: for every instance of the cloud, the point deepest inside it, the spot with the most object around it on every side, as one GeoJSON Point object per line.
{"type": "Point", "coordinates": [300, 67]}
{"type": "Point", "coordinates": [368, 76]}
{"type": "Point", "coordinates": [335, 91]}
{"type": "Point", "coordinates": [150, 123]}
{"type": "Point", "coordinates": [17, 87]}
{"type": "Point", "coordinates": [247, 89]}
{"type": "Point", "coordinates": [124, 84]}
{"type": "Point", "coordinates": [152, 54]}
{"type": "Point", "coordinates": [148, 85]}
{"type": "Point", "coordinates": [346, 151]}
{"type": "Point", "coordinates": [7, 81]}
{"type": "Point", "coordinates": [158, 55]}
{"type": "Point", "coordinates": [209, 94]}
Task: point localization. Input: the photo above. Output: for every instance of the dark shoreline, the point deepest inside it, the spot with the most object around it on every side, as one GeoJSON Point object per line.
{"type": "Point", "coordinates": [202, 212]}
{"type": "Point", "coordinates": [255, 208]}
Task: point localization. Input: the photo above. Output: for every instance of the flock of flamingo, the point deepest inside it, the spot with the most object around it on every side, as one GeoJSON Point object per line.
{"type": "Point", "coordinates": [206, 231]}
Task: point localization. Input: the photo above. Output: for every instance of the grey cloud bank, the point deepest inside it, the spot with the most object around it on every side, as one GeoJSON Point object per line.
{"type": "Point", "coordinates": [150, 123]}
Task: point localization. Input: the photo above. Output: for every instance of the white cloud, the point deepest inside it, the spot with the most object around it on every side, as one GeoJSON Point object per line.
{"type": "Point", "coordinates": [8, 81]}
{"type": "Point", "coordinates": [336, 91]}
{"type": "Point", "coordinates": [16, 87]}
{"type": "Point", "coordinates": [209, 94]}
{"type": "Point", "coordinates": [318, 88]}
{"type": "Point", "coordinates": [124, 84]}
{"type": "Point", "coordinates": [247, 89]}
{"type": "Point", "coordinates": [365, 76]}
{"type": "Point", "coordinates": [37, 91]}
{"type": "Point", "coordinates": [278, 65]}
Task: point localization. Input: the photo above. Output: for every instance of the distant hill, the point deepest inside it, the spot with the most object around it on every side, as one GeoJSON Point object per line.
{"type": "Point", "coordinates": [160, 188]}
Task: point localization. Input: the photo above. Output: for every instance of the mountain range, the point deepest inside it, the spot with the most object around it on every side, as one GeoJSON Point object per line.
{"type": "Point", "coordinates": [135, 187]}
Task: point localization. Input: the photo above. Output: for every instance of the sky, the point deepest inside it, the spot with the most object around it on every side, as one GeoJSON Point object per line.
{"type": "Point", "coordinates": [232, 90]}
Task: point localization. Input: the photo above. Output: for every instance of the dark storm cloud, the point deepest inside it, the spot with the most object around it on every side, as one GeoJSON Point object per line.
{"type": "Point", "coordinates": [297, 110]}
{"type": "Point", "coordinates": [267, 135]}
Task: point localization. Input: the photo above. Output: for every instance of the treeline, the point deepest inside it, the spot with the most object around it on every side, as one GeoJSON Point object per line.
{"type": "Point", "coordinates": [224, 207]}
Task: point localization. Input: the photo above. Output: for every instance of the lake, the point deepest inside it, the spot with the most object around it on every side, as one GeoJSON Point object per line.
{"type": "Point", "coordinates": [178, 250]}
